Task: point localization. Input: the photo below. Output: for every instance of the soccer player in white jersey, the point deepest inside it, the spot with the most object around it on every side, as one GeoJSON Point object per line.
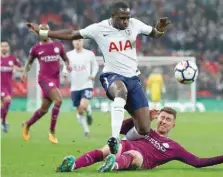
{"type": "Point", "coordinates": [116, 38]}
{"type": "Point", "coordinates": [84, 69]}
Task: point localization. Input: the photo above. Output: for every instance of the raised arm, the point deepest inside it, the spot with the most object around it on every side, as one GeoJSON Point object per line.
{"type": "Point", "coordinates": [160, 27]}
{"type": "Point", "coordinates": [66, 34]}
{"type": "Point", "coordinates": [190, 159]}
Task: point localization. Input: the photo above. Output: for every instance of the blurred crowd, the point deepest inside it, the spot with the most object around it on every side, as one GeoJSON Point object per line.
{"type": "Point", "coordinates": [196, 29]}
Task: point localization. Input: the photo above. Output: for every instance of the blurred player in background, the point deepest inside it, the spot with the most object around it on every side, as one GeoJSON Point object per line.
{"type": "Point", "coordinates": [155, 86]}
{"type": "Point", "coordinates": [84, 69]}
{"type": "Point", "coordinates": [48, 53]}
{"type": "Point", "coordinates": [152, 150]}
{"type": "Point", "coordinates": [9, 64]}
{"type": "Point", "coordinates": [116, 38]}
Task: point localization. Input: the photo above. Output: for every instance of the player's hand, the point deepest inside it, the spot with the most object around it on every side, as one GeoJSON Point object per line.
{"type": "Point", "coordinates": [65, 75]}
{"type": "Point", "coordinates": [162, 24]}
{"type": "Point", "coordinates": [91, 77]}
{"type": "Point", "coordinates": [69, 68]}
{"type": "Point", "coordinates": [33, 27]}
{"type": "Point", "coordinates": [153, 114]}
{"type": "Point", "coordinates": [24, 78]}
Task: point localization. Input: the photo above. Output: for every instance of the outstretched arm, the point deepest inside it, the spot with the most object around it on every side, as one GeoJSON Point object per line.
{"type": "Point", "coordinates": [67, 34]}
{"type": "Point", "coordinates": [191, 159]}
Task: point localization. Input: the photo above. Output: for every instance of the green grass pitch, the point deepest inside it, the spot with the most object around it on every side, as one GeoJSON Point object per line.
{"type": "Point", "coordinates": [201, 133]}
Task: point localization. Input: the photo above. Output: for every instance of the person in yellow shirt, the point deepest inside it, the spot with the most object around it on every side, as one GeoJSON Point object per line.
{"type": "Point", "coordinates": [155, 85]}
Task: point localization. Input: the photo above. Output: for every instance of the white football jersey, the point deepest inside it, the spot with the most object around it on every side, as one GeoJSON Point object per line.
{"type": "Point", "coordinates": [118, 46]}
{"type": "Point", "coordinates": [83, 65]}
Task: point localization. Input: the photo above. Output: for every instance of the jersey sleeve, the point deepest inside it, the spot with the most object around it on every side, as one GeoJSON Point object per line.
{"type": "Point", "coordinates": [94, 64]}
{"type": "Point", "coordinates": [191, 159]}
{"type": "Point", "coordinates": [142, 27]}
{"type": "Point", "coordinates": [62, 50]}
{"type": "Point", "coordinates": [90, 31]}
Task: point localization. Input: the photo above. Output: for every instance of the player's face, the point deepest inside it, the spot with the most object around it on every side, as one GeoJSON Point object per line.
{"type": "Point", "coordinates": [4, 47]}
{"type": "Point", "coordinates": [78, 44]}
{"type": "Point", "coordinates": [165, 122]}
{"type": "Point", "coordinates": [44, 27]}
{"type": "Point", "coordinates": [121, 19]}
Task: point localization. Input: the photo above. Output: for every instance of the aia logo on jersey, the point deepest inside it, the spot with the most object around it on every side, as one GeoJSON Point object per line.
{"type": "Point", "coordinates": [120, 46]}
{"type": "Point", "coordinates": [79, 67]}
{"type": "Point", "coordinates": [50, 58]}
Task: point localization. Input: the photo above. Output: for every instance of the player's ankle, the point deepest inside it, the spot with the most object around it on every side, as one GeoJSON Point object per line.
{"type": "Point", "coordinates": [27, 125]}
{"type": "Point", "coordinates": [115, 167]}
{"type": "Point", "coordinates": [52, 132]}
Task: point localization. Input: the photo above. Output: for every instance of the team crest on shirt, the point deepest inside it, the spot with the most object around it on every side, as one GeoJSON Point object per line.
{"type": "Point", "coordinates": [128, 31]}
{"type": "Point", "coordinates": [2, 94]}
{"type": "Point", "coordinates": [56, 50]}
{"type": "Point", "coordinates": [166, 145]}
{"type": "Point", "coordinates": [51, 84]}
{"type": "Point", "coordinates": [10, 63]}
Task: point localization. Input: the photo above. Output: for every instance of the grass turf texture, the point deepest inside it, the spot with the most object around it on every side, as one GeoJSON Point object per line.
{"type": "Point", "coordinates": [200, 133]}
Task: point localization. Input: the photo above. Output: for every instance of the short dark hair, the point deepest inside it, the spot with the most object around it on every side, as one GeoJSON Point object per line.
{"type": "Point", "coordinates": [4, 40]}
{"type": "Point", "coordinates": [169, 110]}
{"type": "Point", "coordinates": [117, 5]}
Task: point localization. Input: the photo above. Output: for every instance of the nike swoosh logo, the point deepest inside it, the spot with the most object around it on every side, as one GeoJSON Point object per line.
{"type": "Point", "coordinates": [105, 35]}
{"type": "Point", "coordinates": [41, 52]}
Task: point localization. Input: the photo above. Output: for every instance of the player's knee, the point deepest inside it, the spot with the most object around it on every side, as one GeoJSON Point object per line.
{"type": "Point", "coordinates": [58, 101]}
{"type": "Point", "coordinates": [137, 158]}
{"type": "Point", "coordinates": [118, 89]}
{"type": "Point", "coordinates": [142, 130]}
{"type": "Point", "coordinates": [84, 103]}
{"type": "Point", "coordinates": [7, 99]}
{"type": "Point", "coordinates": [122, 93]}
{"type": "Point", "coordinates": [43, 111]}
{"type": "Point", "coordinates": [80, 110]}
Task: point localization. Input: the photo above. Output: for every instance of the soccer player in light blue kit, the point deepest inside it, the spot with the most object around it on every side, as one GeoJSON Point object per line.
{"type": "Point", "coordinates": [116, 37]}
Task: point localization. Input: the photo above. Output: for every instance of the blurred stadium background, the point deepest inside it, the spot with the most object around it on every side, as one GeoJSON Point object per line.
{"type": "Point", "coordinates": [196, 30]}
